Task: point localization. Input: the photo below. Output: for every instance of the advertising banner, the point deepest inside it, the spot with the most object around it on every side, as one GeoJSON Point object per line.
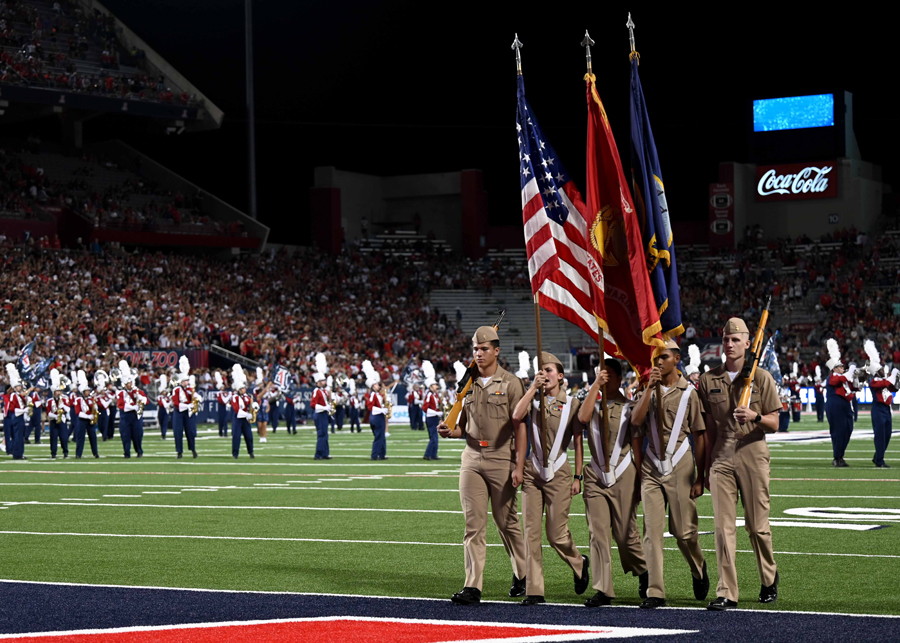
{"type": "Point", "coordinates": [796, 181]}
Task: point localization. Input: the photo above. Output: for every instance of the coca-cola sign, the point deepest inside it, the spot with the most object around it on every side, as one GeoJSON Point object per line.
{"type": "Point", "coordinates": [796, 181]}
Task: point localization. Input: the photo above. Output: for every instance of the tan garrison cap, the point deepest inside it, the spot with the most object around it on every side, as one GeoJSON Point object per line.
{"type": "Point", "coordinates": [552, 359]}
{"type": "Point", "coordinates": [735, 325]}
{"type": "Point", "coordinates": [485, 334]}
{"type": "Point", "coordinates": [671, 344]}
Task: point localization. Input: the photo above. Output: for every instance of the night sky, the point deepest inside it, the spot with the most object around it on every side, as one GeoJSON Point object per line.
{"type": "Point", "coordinates": [409, 87]}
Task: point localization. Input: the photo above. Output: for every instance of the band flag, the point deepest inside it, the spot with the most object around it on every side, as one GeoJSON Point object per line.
{"type": "Point", "coordinates": [567, 282]}
{"type": "Point", "coordinates": [653, 212]}
{"type": "Point", "coordinates": [615, 243]}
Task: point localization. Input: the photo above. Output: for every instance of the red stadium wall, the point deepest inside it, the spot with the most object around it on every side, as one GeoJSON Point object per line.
{"type": "Point", "coordinates": [16, 228]}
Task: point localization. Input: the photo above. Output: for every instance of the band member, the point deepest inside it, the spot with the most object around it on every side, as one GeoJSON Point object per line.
{"type": "Point", "coordinates": [111, 411]}
{"type": "Point", "coordinates": [414, 400]}
{"type": "Point", "coordinates": [612, 492]}
{"type": "Point", "coordinates": [553, 486]}
{"type": "Point", "coordinates": [130, 402]}
{"type": "Point", "coordinates": [35, 424]}
{"type": "Point", "coordinates": [668, 476]}
{"type": "Point", "coordinates": [290, 413]}
{"type": "Point", "coordinates": [493, 465]}
{"type": "Point", "coordinates": [819, 386]}
{"type": "Point", "coordinates": [243, 405]}
{"type": "Point", "coordinates": [353, 408]}
{"type": "Point", "coordinates": [183, 402]}
{"type": "Point", "coordinates": [339, 399]}
{"type": "Point", "coordinates": [692, 370]}
{"type": "Point", "coordinates": [740, 463]}
{"type": "Point", "coordinates": [164, 405]}
{"type": "Point", "coordinates": [58, 416]}
{"type": "Point", "coordinates": [223, 402]}
{"type": "Point", "coordinates": [85, 406]}
{"type": "Point", "coordinates": [883, 389]}
{"type": "Point", "coordinates": [837, 403]}
{"type": "Point", "coordinates": [321, 406]}
{"type": "Point", "coordinates": [794, 385]}
{"type": "Point", "coordinates": [431, 406]}
{"type": "Point", "coordinates": [261, 396]}
{"type": "Point", "coordinates": [274, 396]}
{"type": "Point", "coordinates": [105, 400]}
{"type": "Point", "coordinates": [375, 403]}
{"type": "Point", "coordinates": [784, 415]}
{"type": "Point", "coordinates": [14, 415]}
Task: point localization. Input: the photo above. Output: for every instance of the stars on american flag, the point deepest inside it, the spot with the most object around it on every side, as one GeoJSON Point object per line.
{"type": "Point", "coordinates": [552, 178]}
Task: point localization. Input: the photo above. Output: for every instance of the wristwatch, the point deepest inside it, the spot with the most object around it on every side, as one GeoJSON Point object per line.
{"type": "Point", "coordinates": [758, 418]}
{"type": "Point", "coordinates": [579, 477]}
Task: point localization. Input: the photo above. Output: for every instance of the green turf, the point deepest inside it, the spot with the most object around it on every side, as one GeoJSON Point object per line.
{"type": "Point", "coordinates": [252, 499]}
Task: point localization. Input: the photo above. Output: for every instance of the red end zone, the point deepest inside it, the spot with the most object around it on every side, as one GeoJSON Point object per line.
{"type": "Point", "coordinates": [340, 628]}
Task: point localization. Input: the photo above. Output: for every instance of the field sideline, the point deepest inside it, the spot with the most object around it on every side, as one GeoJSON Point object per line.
{"type": "Point", "coordinates": [284, 523]}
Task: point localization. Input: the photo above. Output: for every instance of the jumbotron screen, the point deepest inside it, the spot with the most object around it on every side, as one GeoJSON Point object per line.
{"type": "Point", "coordinates": [793, 112]}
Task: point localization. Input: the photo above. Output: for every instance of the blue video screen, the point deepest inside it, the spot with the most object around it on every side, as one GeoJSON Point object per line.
{"type": "Point", "coordinates": [793, 112]}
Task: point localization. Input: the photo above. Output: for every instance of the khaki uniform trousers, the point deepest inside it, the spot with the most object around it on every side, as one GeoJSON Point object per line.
{"type": "Point", "coordinates": [741, 468]}
{"type": "Point", "coordinates": [613, 509]}
{"type": "Point", "coordinates": [674, 489]}
{"type": "Point", "coordinates": [556, 496]}
{"type": "Point", "coordinates": [486, 475]}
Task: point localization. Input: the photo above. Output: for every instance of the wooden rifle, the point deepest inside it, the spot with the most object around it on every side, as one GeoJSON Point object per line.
{"type": "Point", "coordinates": [751, 359]}
{"type": "Point", "coordinates": [465, 384]}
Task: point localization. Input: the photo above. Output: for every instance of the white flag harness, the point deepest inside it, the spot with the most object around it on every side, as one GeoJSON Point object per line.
{"type": "Point", "coordinates": [555, 461]}
{"type": "Point", "coordinates": [608, 479]}
{"type": "Point", "coordinates": [667, 466]}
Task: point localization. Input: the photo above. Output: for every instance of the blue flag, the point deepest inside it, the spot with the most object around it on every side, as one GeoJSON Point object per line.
{"type": "Point", "coordinates": [769, 360]}
{"type": "Point", "coordinates": [282, 377]}
{"type": "Point", "coordinates": [653, 212]}
{"type": "Point", "coordinates": [23, 361]}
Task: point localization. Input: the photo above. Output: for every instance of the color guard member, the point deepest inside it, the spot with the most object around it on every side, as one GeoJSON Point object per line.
{"type": "Point", "coordinates": [493, 465]}
{"type": "Point", "coordinates": [740, 463]}
{"type": "Point", "coordinates": [551, 487]}
{"type": "Point", "coordinates": [668, 476]}
{"type": "Point", "coordinates": [612, 494]}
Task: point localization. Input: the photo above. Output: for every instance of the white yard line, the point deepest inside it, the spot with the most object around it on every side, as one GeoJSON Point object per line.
{"type": "Point", "coordinates": [376, 542]}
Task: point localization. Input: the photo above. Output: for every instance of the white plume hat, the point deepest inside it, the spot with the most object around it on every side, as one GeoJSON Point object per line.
{"type": "Point", "coordinates": [523, 365]}
{"type": "Point", "coordinates": [163, 381]}
{"type": "Point", "coordinates": [125, 374]}
{"type": "Point", "coordinates": [459, 369]}
{"type": "Point", "coordinates": [795, 370]}
{"type": "Point", "coordinates": [259, 376]}
{"type": "Point", "coordinates": [874, 359]}
{"type": "Point", "coordinates": [193, 380]}
{"type": "Point", "coordinates": [428, 372]}
{"type": "Point", "coordinates": [693, 361]}
{"type": "Point", "coordinates": [82, 382]}
{"type": "Point", "coordinates": [13, 373]}
{"type": "Point", "coordinates": [584, 378]}
{"type": "Point", "coordinates": [352, 385]}
{"type": "Point", "coordinates": [443, 384]}
{"type": "Point", "coordinates": [219, 383]}
{"type": "Point", "coordinates": [818, 371]}
{"type": "Point", "coordinates": [238, 377]}
{"type": "Point", "coordinates": [329, 381]}
{"type": "Point", "coordinates": [73, 381]}
{"type": "Point", "coordinates": [184, 366]}
{"type": "Point", "coordinates": [54, 380]}
{"type": "Point", "coordinates": [372, 376]}
{"type": "Point", "coordinates": [321, 363]}
{"type": "Point", "coordinates": [834, 354]}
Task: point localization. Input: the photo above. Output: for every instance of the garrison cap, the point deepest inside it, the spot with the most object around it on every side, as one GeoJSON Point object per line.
{"type": "Point", "coordinates": [485, 334]}
{"type": "Point", "coordinates": [552, 359]}
{"type": "Point", "coordinates": [672, 345]}
{"type": "Point", "coordinates": [735, 325]}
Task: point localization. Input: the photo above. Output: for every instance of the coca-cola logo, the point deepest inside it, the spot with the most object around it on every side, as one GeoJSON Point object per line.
{"type": "Point", "coordinates": [809, 180]}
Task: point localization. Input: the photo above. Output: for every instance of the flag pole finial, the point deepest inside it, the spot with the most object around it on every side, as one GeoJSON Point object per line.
{"type": "Point", "coordinates": [630, 25]}
{"type": "Point", "coordinates": [586, 43]}
{"type": "Point", "coordinates": [517, 45]}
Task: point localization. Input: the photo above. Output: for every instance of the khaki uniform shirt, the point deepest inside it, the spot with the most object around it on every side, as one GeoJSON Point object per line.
{"type": "Point", "coordinates": [719, 397]}
{"type": "Point", "coordinates": [692, 422]}
{"type": "Point", "coordinates": [553, 410]}
{"type": "Point", "coordinates": [488, 408]}
{"type": "Point", "coordinates": [615, 406]}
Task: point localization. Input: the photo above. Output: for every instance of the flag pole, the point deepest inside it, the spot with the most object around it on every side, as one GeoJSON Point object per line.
{"type": "Point", "coordinates": [630, 24]}
{"type": "Point", "coordinates": [540, 358]}
{"type": "Point", "coordinates": [604, 402]}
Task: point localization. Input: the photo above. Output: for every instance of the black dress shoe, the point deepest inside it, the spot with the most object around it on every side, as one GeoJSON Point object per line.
{"type": "Point", "coordinates": [597, 600]}
{"type": "Point", "coordinates": [842, 463]}
{"type": "Point", "coordinates": [701, 585]}
{"type": "Point", "coordinates": [582, 582]}
{"type": "Point", "coordinates": [652, 602]}
{"type": "Point", "coordinates": [643, 583]}
{"type": "Point", "coordinates": [435, 458]}
{"type": "Point", "coordinates": [518, 587]}
{"type": "Point", "coordinates": [235, 457]}
{"type": "Point", "coordinates": [179, 456]}
{"type": "Point", "coordinates": [194, 451]}
{"type": "Point", "coordinates": [253, 457]}
{"type": "Point", "coordinates": [127, 455]}
{"type": "Point", "coordinates": [467, 596]}
{"type": "Point", "coordinates": [769, 594]}
{"type": "Point", "coordinates": [835, 463]}
{"type": "Point", "coordinates": [140, 455]}
{"type": "Point", "coordinates": [96, 455]}
{"type": "Point", "coordinates": [78, 457]}
{"type": "Point", "coordinates": [326, 457]}
{"type": "Point", "coordinates": [721, 604]}
{"type": "Point", "coordinates": [533, 600]}
{"type": "Point", "coordinates": [883, 465]}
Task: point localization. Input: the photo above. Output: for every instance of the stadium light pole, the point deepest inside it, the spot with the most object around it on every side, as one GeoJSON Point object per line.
{"type": "Point", "coordinates": [251, 112]}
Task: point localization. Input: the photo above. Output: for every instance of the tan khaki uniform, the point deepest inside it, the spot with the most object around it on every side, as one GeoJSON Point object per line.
{"type": "Point", "coordinates": [674, 456]}
{"type": "Point", "coordinates": [739, 465]}
{"type": "Point", "coordinates": [488, 462]}
{"type": "Point", "coordinates": [612, 508]}
{"type": "Point", "coordinates": [555, 494]}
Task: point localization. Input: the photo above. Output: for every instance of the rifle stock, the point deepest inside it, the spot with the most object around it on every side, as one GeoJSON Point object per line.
{"type": "Point", "coordinates": [465, 384]}
{"type": "Point", "coordinates": [749, 370]}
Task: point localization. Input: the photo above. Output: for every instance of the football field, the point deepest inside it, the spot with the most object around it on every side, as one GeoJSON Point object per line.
{"type": "Point", "coordinates": [286, 523]}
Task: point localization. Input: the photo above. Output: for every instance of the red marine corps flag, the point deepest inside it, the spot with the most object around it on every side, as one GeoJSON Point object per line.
{"type": "Point", "coordinates": [615, 244]}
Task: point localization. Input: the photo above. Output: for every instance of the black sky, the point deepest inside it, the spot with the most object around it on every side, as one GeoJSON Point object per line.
{"type": "Point", "coordinates": [403, 87]}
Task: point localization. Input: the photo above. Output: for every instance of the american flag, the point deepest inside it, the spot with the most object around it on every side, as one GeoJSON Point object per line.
{"type": "Point", "coordinates": [555, 230]}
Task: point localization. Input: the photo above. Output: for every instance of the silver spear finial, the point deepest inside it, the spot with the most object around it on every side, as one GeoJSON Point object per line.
{"type": "Point", "coordinates": [586, 43]}
{"type": "Point", "coordinates": [517, 45]}
{"type": "Point", "coordinates": [630, 25]}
